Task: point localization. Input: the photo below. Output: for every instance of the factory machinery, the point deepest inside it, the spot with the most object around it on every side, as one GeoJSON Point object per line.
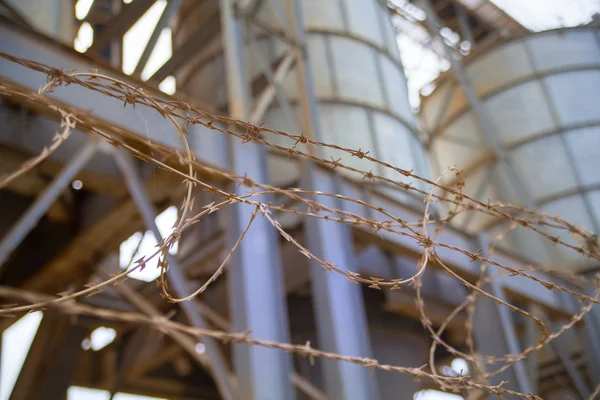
{"type": "Point", "coordinates": [518, 115]}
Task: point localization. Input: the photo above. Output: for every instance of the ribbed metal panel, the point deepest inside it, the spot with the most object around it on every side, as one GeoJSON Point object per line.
{"type": "Point", "coordinates": [359, 84]}
{"type": "Point", "coordinates": [52, 17]}
{"type": "Point", "coordinates": [542, 94]}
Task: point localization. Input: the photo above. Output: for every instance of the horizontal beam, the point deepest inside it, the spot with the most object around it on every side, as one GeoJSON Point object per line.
{"type": "Point", "coordinates": [209, 147]}
{"type": "Point", "coordinates": [25, 134]}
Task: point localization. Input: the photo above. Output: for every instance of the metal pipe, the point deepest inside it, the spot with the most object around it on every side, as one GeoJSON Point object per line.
{"type": "Point", "coordinates": [175, 275]}
{"type": "Point", "coordinates": [34, 213]}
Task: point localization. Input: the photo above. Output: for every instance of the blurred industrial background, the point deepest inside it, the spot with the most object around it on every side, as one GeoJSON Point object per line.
{"type": "Point", "coordinates": [506, 91]}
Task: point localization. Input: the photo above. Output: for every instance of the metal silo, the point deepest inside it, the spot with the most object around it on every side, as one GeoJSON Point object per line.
{"type": "Point", "coordinates": [541, 97]}
{"type": "Point", "coordinates": [54, 17]}
{"type": "Point", "coordinates": [362, 101]}
{"type": "Point", "coordinates": [359, 85]}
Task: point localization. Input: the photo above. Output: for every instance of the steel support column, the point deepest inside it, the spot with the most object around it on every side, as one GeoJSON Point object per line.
{"type": "Point", "coordinates": [177, 280]}
{"type": "Point", "coordinates": [29, 220]}
{"type": "Point", "coordinates": [559, 346]}
{"type": "Point", "coordinates": [590, 331]}
{"type": "Point", "coordinates": [256, 289]}
{"type": "Point", "coordinates": [495, 335]}
{"type": "Point", "coordinates": [532, 336]}
{"type": "Point", "coordinates": [338, 304]}
{"type": "Point", "coordinates": [591, 328]}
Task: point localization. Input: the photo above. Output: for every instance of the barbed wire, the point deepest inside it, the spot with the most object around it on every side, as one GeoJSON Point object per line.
{"type": "Point", "coordinates": [184, 165]}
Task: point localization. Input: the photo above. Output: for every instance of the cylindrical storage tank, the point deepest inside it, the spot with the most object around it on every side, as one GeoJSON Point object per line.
{"type": "Point", "coordinates": [51, 17]}
{"type": "Point", "coordinates": [359, 84]}
{"type": "Point", "coordinates": [541, 94]}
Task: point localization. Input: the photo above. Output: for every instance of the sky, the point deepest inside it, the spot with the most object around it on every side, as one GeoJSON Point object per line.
{"type": "Point", "coordinates": [539, 15]}
{"type": "Point", "coordinates": [422, 66]}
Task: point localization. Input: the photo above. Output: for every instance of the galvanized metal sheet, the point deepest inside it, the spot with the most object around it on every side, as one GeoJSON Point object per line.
{"type": "Point", "coordinates": [548, 124]}
{"type": "Point", "coordinates": [576, 96]}
{"type": "Point", "coordinates": [511, 112]}
{"type": "Point", "coordinates": [564, 50]}
{"type": "Point", "coordinates": [498, 67]}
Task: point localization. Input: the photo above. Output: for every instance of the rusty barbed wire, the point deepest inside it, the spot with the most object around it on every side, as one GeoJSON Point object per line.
{"type": "Point", "coordinates": [306, 350]}
{"type": "Point", "coordinates": [184, 165]}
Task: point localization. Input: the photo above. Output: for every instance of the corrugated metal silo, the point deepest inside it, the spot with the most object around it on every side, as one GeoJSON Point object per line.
{"type": "Point", "coordinates": [359, 85]}
{"type": "Point", "coordinates": [542, 97]}
{"type": "Point", "coordinates": [52, 17]}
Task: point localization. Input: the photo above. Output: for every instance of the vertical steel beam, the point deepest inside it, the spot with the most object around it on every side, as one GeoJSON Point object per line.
{"type": "Point", "coordinates": [495, 334]}
{"type": "Point", "coordinates": [338, 304]}
{"type": "Point", "coordinates": [176, 277]}
{"type": "Point", "coordinates": [532, 335]}
{"type": "Point", "coordinates": [34, 213]}
{"type": "Point", "coordinates": [559, 346]}
{"type": "Point", "coordinates": [590, 331]}
{"type": "Point", "coordinates": [510, 337]}
{"type": "Point", "coordinates": [256, 289]}
{"type": "Point", "coordinates": [591, 327]}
